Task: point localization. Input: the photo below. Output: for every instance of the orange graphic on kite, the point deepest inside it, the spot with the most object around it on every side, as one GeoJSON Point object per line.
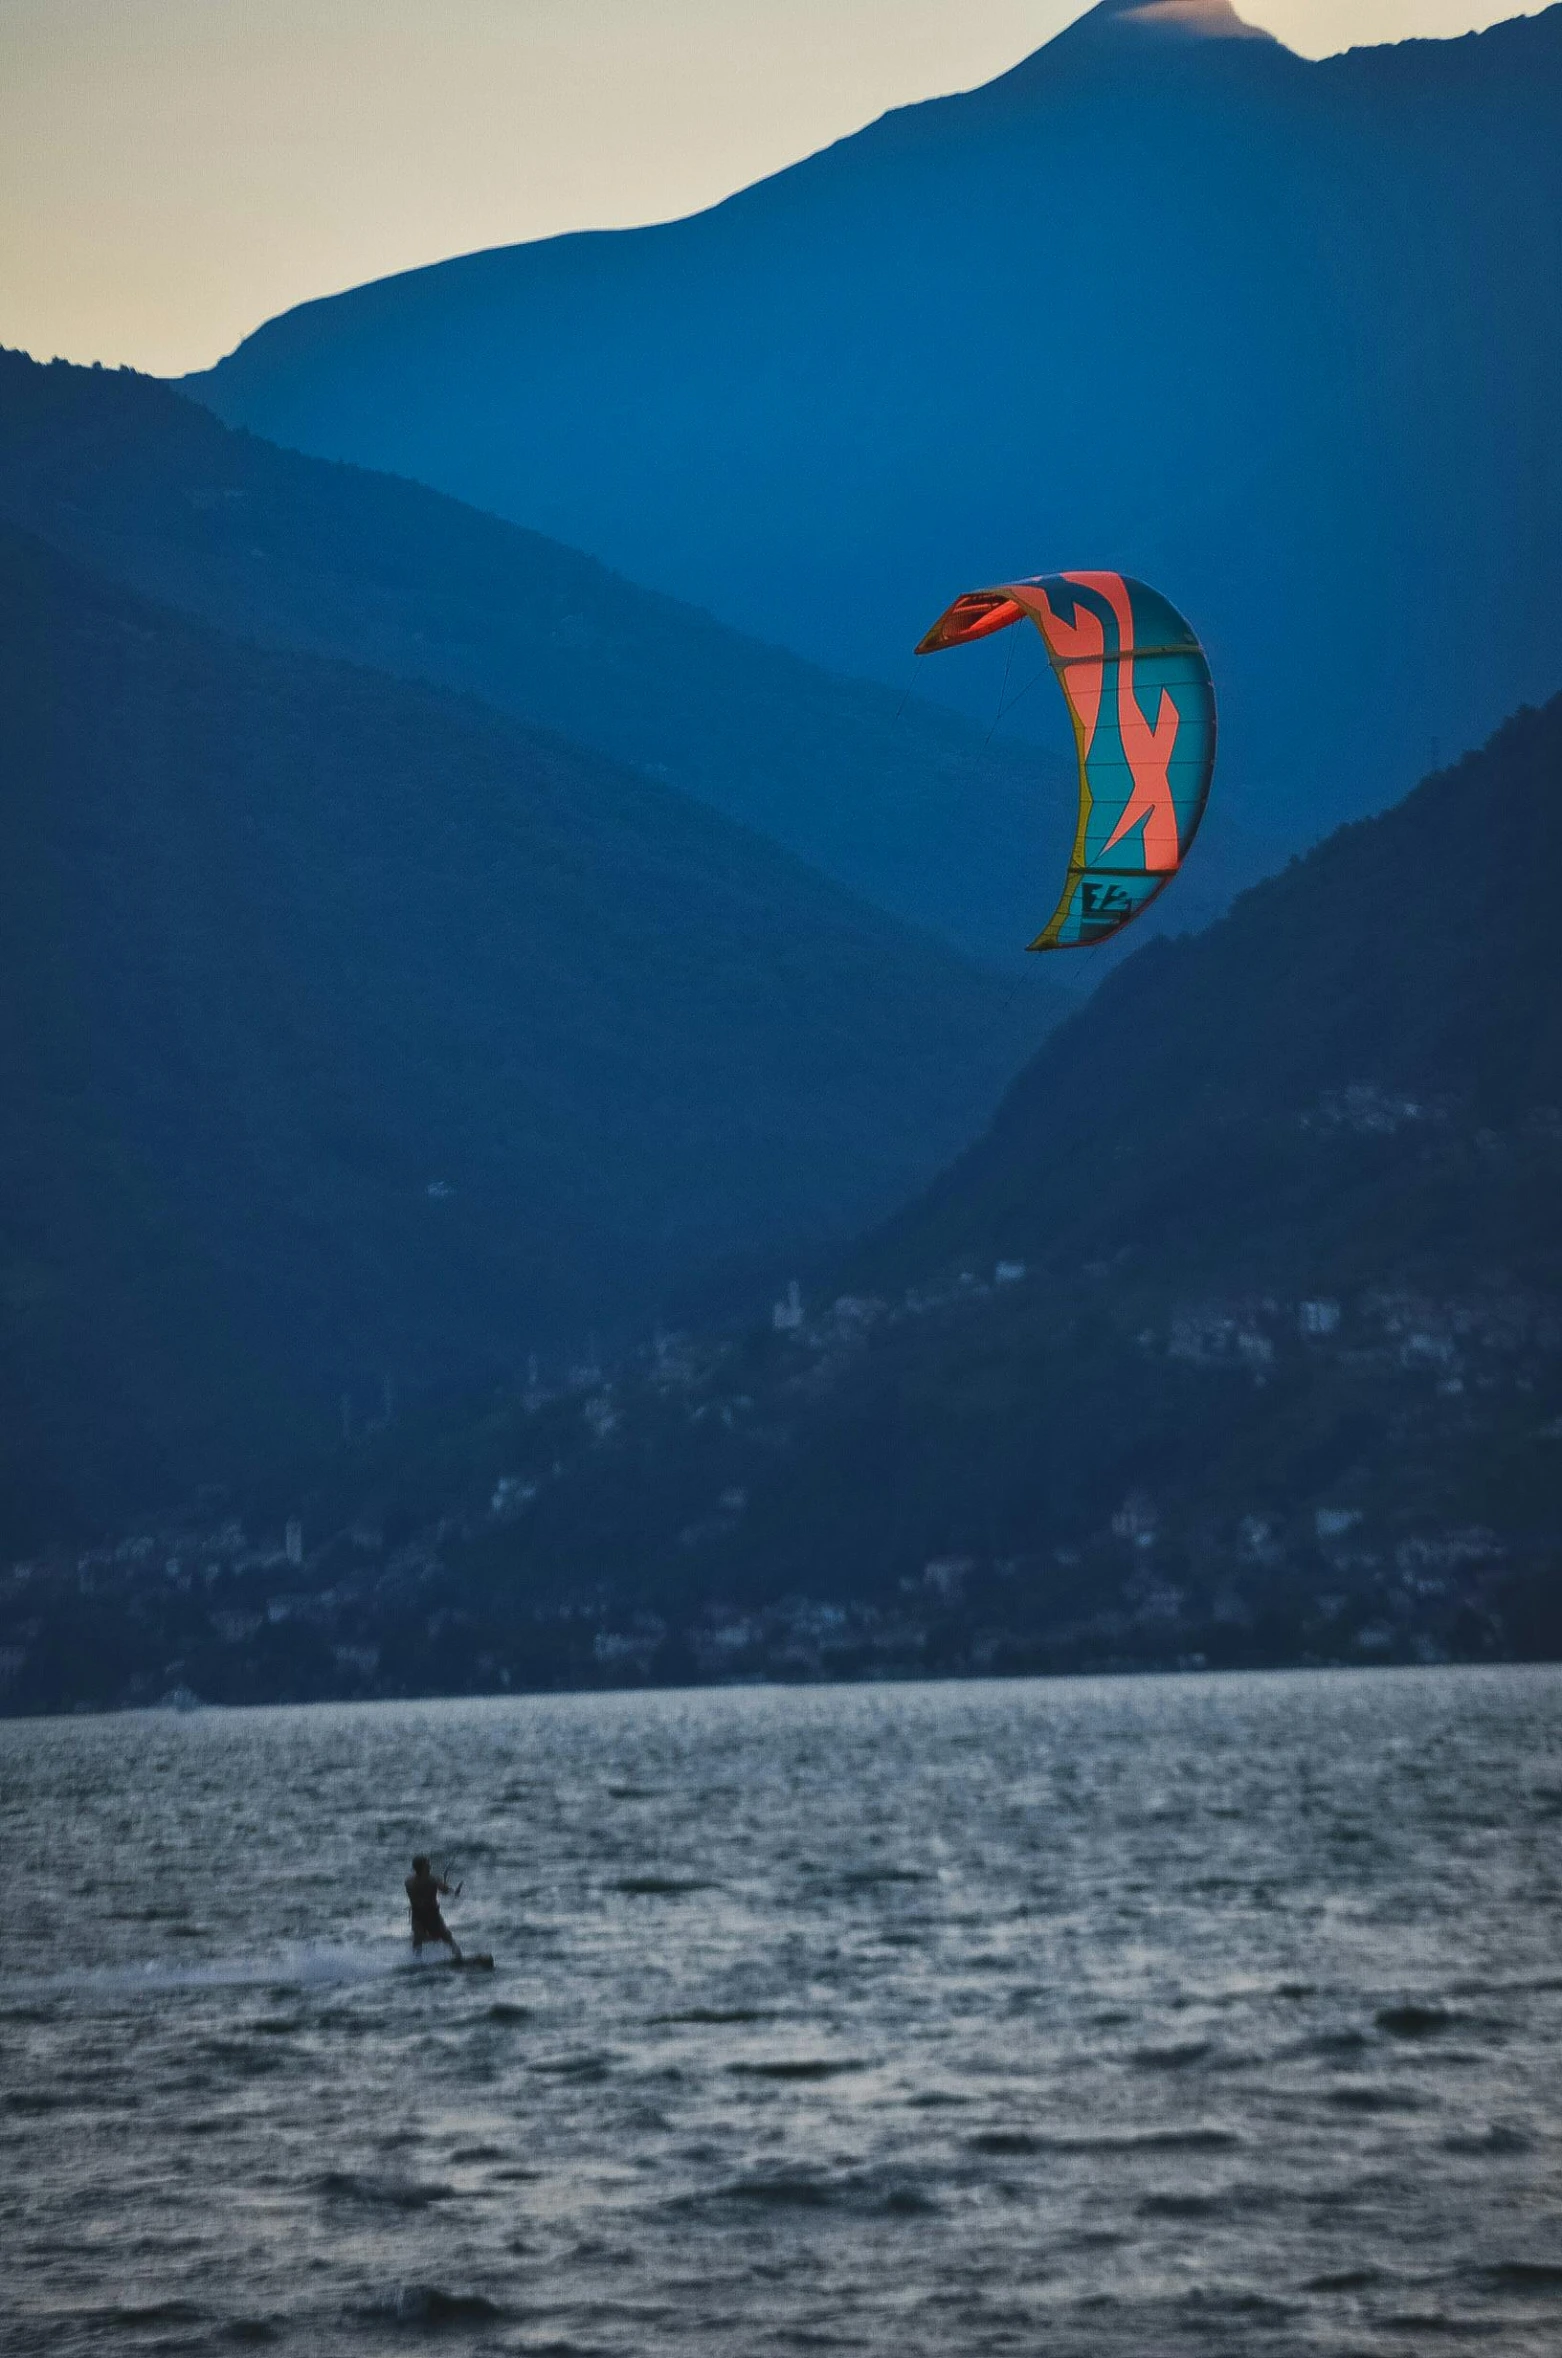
{"type": "Point", "coordinates": [1143, 781]}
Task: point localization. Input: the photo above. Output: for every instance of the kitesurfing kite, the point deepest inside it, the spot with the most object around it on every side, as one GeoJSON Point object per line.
{"type": "Point", "coordinates": [1139, 695]}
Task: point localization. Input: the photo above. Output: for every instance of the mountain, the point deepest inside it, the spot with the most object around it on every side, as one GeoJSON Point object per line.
{"type": "Point", "coordinates": [1236, 1339]}
{"type": "Point", "coordinates": [359, 1036]}
{"type": "Point", "coordinates": [1347, 1093]}
{"type": "Point", "coordinates": [1412, 957]}
{"type": "Point", "coordinates": [1276, 334]}
{"type": "Point", "coordinates": [902, 802]}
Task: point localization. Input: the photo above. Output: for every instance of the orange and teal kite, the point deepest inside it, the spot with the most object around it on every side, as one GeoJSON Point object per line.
{"type": "Point", "coordinates": [1116, 648]}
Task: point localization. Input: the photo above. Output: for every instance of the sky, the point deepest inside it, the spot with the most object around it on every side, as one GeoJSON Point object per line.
{"type": "Point", "coordinates": [173, 172]}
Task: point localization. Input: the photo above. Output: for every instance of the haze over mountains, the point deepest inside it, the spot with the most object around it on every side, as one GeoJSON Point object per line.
{"type": "Point", "coordinates": [1277, 334]}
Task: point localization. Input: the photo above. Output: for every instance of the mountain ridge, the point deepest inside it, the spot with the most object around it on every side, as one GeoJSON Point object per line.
{"type": "Point", "coordinates": [896, 798]}
{"type": "Point", "coordinates": [354, 1029]}
{"type": "Point", "coordinates": [1273, 319]}
{"type": "Point", "coordinates": [1412, 968]}
{"type": "Point", "coordinates": [1234, 1342]}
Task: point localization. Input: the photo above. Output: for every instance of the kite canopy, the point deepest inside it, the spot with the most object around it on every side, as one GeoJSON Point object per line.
{"type": "Point", "coordinates": [1142, 703]}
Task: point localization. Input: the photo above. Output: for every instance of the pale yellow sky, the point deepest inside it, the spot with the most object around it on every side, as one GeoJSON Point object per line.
{"type": "Point", "coordinates": [172, 172]}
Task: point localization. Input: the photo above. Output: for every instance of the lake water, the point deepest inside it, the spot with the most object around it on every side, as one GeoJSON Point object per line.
{"type": "Point", "coordinates": [1154, 2016]}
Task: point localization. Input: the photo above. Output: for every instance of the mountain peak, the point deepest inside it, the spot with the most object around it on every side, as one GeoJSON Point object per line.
{"type": "Point", "coordinates": [1183, 20]}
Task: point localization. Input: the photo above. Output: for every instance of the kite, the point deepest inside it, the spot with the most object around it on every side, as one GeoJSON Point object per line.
{"type": "Point", "coordinates": [1139, 694]}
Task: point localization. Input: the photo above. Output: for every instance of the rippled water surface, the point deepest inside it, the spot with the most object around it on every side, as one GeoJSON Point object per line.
{"type": "Point", "coordinates": [1150, 2017]}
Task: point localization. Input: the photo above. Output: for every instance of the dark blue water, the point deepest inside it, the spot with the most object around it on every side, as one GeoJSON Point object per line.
{"type": "Point", "coordinates": [1159, 2016]}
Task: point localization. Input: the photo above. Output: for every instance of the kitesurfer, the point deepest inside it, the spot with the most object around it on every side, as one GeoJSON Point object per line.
{"type": "Point", "coordinates": [424, 1888]}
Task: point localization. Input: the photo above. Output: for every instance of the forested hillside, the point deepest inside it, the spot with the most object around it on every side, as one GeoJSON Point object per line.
{"type": "Point", "coordinates": [1236, 1339]}
{"type": "Point", "coordinates": [359, 1039]}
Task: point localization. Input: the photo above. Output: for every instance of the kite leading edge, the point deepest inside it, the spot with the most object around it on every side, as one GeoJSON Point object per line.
{"type": "Point", "coordinates": [1121, 652]}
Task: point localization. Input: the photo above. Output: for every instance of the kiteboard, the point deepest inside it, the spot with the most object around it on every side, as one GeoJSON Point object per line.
{"type": "Point", "coordinates": [481, 1963]}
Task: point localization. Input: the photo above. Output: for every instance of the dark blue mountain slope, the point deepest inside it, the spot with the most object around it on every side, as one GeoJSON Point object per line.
{"type": "Point", "coordinates": [901, 801]}
{"type": "Point", "coordinates": [1199, 1113]}
{"type": "Point", "coordinates": [1237, 1339]}
{"type": "Point", "coordinates": [353, 1030]}
{"type": "Point", "coordinates": [1280, 335]}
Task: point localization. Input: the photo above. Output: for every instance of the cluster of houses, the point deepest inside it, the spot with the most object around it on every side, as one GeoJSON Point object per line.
{"type": "Point", "coordinates": [1385, 1577]}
